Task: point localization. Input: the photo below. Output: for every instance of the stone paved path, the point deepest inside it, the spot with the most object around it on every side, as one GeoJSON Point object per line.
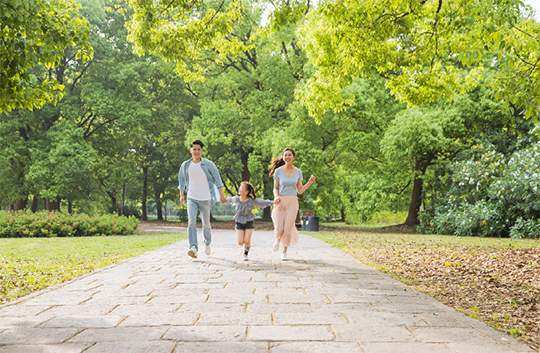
{"type": "Point", "coordinates": [323, 300]}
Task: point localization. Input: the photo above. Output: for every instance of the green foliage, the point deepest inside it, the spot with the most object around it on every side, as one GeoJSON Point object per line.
{"type": "Point", "coordinates": [37, 32]}
{"type": "Point", "coordinates": [29, 264]}
{"type": "Point", "coordinates": [422, 47]}
{"type": "Point", "coordinates": [54, 224]}
{"type": "Point", "coordinates": [179, 31]}
{"type": "Point", "coordinates": [489, 193]}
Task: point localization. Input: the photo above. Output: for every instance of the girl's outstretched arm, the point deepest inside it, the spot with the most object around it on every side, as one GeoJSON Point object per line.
{"type": "Point", "coordinates": [262, 203]}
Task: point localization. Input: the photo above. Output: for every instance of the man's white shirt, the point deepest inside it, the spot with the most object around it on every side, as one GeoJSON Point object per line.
{"type": "Point", "coordinates": [198, 183]}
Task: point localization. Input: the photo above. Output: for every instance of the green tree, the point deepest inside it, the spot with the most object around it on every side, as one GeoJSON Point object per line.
{"type": "Point", "coordinates": [247, 97]}
{"type": "Point", "coordinates": [420, 46]}
{"type": "Point", "coordinates": [37, 33]}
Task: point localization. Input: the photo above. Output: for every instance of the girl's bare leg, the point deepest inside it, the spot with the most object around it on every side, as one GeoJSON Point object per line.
{"type": "Point", "coordinates": [279, 236]}
{"type": "Point", "coordinates": [247, 237]}
{"type": "Point", "coordinates": [285, 248]}
{"type": "Point", "coordinates": [240, 234]}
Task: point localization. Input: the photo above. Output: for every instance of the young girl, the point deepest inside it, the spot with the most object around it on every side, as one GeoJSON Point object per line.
{"type": "Point", "coordinates": [244, 213]}
{"type": "Point", "coordinates": [287, 184]}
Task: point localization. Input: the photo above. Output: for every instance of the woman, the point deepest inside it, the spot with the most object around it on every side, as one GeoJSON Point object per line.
{"type": "Point", "coordinates": [287, 184]}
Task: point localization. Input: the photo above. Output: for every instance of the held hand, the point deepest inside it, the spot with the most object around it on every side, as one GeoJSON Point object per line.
{"type": "Point", "coordinates": [277, 200]}
{"type": "Point", "coordinates": [223, 199]}
{"type": "Point", "coordinates": [182, 200]}
{"type": "Point", "coordinates": [312, 179]}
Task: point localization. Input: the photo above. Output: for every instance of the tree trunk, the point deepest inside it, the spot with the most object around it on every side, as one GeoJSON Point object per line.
{"type": "Point", "coordinates": [159, 206]}
{"type": "Point", "coordinates": [342, 212]}
{"type": "Point", "coordinates": [34, 204]}
{"type": "Point", "coordinates": [70, 207]}
{"type": "Point", "coordinates": [267, 214]}
{"type": "Point", "coordinates": [114, 202]}
{"type": "Point", "coordinates": [144, 193]}
{"type": "Point", "coordinates": [51, 205]}
{"type": "Point", "coordinates": [20, 204]}
{"type": "Point", "coordinates": [269, 194]}
{"type": "Point", "coordinates": [416, 197]}
{"type": "Point", "coordinates": [244, 157]}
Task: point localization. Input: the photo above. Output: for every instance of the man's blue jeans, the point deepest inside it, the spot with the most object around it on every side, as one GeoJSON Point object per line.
{"type": "Point", "coordinates": [204, 207]}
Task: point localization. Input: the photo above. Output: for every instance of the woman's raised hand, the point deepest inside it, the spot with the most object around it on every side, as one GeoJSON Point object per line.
{"type": "Point", "coordinates": [312, 179]}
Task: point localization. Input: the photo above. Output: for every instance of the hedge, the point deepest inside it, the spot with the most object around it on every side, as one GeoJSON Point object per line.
{"type": "Point", "coordinates": [25, 224]}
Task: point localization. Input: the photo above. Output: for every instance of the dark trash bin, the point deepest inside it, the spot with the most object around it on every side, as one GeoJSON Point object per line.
{"type": "Point", "coordinates": [310, 224]}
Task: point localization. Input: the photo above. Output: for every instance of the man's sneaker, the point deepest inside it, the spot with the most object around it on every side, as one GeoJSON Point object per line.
{"type": "Point", "coordinates": [192, 252]}
{"type": "Point", "coordinates": [276, 245]}
{"type": "Point", "coordinates": [284, 256]}
{"type": "Point", "coordinates": [245, 256]}
{"type": "Point", "coordinates": [207, 250]}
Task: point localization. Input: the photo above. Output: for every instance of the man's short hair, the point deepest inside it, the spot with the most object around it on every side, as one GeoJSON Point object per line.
{"type": "Point", "coordinates": [196, 142]}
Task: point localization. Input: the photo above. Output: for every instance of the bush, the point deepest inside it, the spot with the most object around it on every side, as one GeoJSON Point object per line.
{"type": "Point", "coordinates": [490, 195]}
{"type": "Point", "coordinates": [55, 224]}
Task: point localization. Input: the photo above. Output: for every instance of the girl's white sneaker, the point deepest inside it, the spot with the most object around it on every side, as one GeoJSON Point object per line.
{"type": "Point", "coordinates": [284, 256]}
{"type": "Point", "coordinates": [276, 245]}
{"type": "Point", "coordinates": [245, 257]}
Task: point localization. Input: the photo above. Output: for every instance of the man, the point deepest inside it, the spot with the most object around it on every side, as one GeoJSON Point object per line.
{"type": "Point", "coordinates": [203, 183]}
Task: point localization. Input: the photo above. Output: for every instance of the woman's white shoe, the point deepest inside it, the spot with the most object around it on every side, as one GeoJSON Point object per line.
{"type": "Point", "coordinates": [276, 245]}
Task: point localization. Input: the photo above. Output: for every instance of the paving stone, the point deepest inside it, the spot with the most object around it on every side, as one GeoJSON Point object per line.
{"type": "Point", "coordinates": [290, 333]}
{"type": "Point", "coordinates": [206, 333]}
{"type": "Point", "coordinates": [84, 321]}
{"type": "Point", "coordinates": [153, 319]}
{"type": "Point", "coordinates": [297, 299]}
{"type": "Point", "coordinates": [179, 291]}
{"type": "Point", "coordinates": [468, 347]}
{"type": "Point", "coordinates": [22, 310]}
{"type": "Point", "coordinates": [87, 309]}
{"type": "Point", "coordinates": [441, 320]}
{"type": "Point", "coordinates": [211, 307]}
{"type": "Point", "coordinates": [388, 293]}
{"type": "Point", "coordinates": [204, 286]}
{"type": "Point", "coordinates": [244, 319]}
{"type": "Point", "coordinates": [496, 335]}
{"type": "Point", "coordinates": [120, 334]}
{"type": "Point", "coordinates": [316, 347]}
{"type": "Point", "coordinates": [283, 284]}
{"type": "Point", "coordinates": [362, 333]}
{"type": "Point", "coordinates": [406, 347]}
{"type": "Point", "coordinates": [54, 299]}
{"type": "Point", "coordinates": [351, 298]}
{"type": "Point", "coordinates": [132, 347]}
{"type": "Point", "coordinates": [225, 347]}
{"type": "Point", "coordinates": [451, 334]}
{"type": "Point", "coordinates": [113, 301]}
{"type": "Point", "coordinates": [31, 336]}
{"type": "Point", "coordinates": [309, 319]}
{"type": "Point", "coordinates": [11, 322]}
{"type": "Point", "coordinates": [178, 299]}
{"type": "Point", "coordinates": [407, 308]}
{"type": "Point", "coordinates": [126, 310]}
{"type": "Point", "coordinates": [278, 308]}
{"type": "Point", "coordinates": [385, 319]}
{"type": "Point", "coordinates": [361, 308]}
{"type": "Point", "coordinates": [49, 348]}
{"type": "Point", "coordinates": [239, 298]}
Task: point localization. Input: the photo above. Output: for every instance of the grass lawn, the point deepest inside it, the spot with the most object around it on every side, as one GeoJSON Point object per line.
{"type": "Point", "coordinates": [494, 280]}
{"type": "Point", "coordinates": [29, 264]}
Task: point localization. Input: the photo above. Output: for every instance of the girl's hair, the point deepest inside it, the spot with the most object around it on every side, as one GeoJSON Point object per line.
{"type": "Point", "coordinates": [278, 161]}
{"type": "Point", "coordinates": [250, 189]}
